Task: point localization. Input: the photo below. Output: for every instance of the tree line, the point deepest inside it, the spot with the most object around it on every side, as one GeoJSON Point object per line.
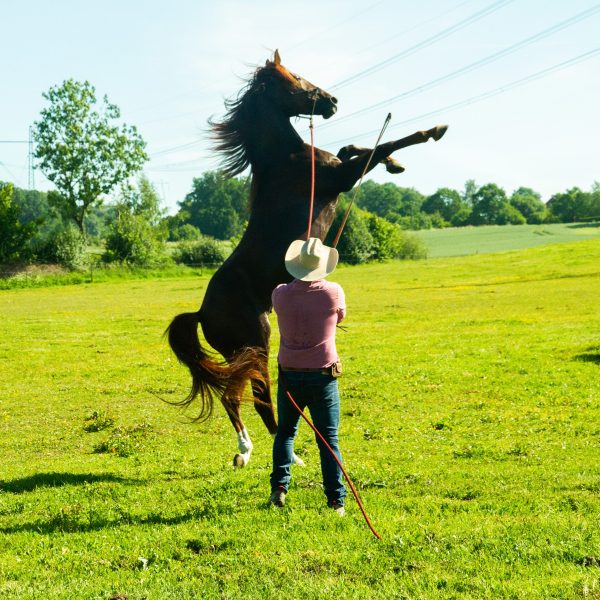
{"type": "Point", "coordinates": [87, 155]}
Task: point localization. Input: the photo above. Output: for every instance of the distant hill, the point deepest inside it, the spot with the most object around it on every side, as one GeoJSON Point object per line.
{"type": "Point", "coordinates": [462, 241]}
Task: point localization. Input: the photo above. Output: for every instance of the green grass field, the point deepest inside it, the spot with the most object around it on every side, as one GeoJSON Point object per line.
{"type": "Point", "coordinates": [461, 241]}
{"type": "Point", "coordinates": [471, 426]}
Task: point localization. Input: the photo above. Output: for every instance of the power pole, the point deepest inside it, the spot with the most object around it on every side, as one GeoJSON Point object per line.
{"type": "Point", "coordinates": [31, 166]}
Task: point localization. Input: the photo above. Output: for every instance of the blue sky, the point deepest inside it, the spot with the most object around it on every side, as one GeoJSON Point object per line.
{"type": "Point", "coordinates": [169, 66]}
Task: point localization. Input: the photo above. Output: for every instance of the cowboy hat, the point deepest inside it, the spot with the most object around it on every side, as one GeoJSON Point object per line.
{"type": "Point", "coordinates": [310, 260]}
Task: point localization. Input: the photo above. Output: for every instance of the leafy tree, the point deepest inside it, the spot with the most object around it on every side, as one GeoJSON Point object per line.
{"type": "Point", "coordinates": [469, 191]}
{"type": "Point", "coordinates": [217, 204]}
{"type": "Point", "coordinates": [14, 235]}
{"type": "Point", "coordinates": [448, 203]}
{"type": "Point", "coordinates": [575, 205]}
{"type": "Point", "coordinates": [529, 204]}
{"type": "Point", "coordinates": [491, 207]}
{"type": "Point", "coordinates": [380, 199]}
{"type": "Point", "coordinates": [138, 233]}
{"type": "Point", "coordinates": [81, 150]}
{"type": "Point", "coordinates": [566, 206]}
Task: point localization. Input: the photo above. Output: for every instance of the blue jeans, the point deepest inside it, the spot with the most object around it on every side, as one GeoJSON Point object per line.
{"type": "Point", "coordinates": [318, 392]}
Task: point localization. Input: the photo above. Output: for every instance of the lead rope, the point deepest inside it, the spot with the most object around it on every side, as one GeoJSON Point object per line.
{"type": "Point", "coordinates": [357, 188]}
{"type": "Point", "coordinates": [337, 460]}
{"type": "Point", "coordinates": [281, 376]}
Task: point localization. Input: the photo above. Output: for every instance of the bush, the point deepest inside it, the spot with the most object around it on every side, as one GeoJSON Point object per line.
{"type": "Point", "coordinates": [134, 241]}
{"type": "Point", "coordinates": [356, 242]}
{"type": "Point", "coordinates": [185, 232]}
{"type": "Point", "coordinates": [14, 236]}
{"type": "Point", "coordinates": [207, 251]}
{"type": "Point", "coordinates": [411, 248]}
{"type": "Point", "coordinates": [64, 246]}
{"type": "Point", "coordinates": [390, 241]}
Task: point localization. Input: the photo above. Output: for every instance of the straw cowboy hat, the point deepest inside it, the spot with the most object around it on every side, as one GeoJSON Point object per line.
{"type": "Point", "coordinates": [310, 260]}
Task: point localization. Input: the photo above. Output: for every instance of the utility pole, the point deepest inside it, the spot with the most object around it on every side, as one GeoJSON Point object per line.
{"type": "Point", "coordinates": [31, 166]}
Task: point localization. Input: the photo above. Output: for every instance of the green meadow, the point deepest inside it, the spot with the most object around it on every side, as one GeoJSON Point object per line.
{"type": "Point", "coordinates": [460, 241]}
{"type": "Point", "coordinates": [471, 428]}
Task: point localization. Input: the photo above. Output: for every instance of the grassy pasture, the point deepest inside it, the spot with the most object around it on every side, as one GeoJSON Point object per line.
{"type": "Point", "coordinates": [460, 241]}
{"type": "Point", "coordinates": [471, 427]}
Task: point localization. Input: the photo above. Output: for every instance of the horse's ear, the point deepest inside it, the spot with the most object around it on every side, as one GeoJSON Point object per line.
{"type": "Point", "coordinates": [276, 58]}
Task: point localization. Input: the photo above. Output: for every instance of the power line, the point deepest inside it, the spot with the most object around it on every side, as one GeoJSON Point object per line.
{"type": "Point", "coordinates": [427, 42]}
{"type": "Point", "coordinates": [480, 97]}
{"type": "Point", "coordinates": [472, 66]}
{"type": "Point", "coordinates": [176, 148]}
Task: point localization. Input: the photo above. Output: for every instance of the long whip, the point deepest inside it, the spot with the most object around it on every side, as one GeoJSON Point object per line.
{"type": "Point", "coordinates": [357, 188]}
{"type": "Point", "coordinates": [337, 460]}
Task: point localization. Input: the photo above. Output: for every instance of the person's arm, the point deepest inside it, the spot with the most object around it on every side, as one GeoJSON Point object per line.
{"type": "Point", "coordinates": [341, 309]}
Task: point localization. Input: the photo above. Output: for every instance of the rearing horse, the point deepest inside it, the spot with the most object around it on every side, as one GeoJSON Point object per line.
{"type": "Point", "coordinates": [256, 132]}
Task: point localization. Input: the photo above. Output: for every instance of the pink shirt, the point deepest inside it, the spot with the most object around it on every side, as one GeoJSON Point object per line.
{"type": "Point", "coordinates": [307, 313]}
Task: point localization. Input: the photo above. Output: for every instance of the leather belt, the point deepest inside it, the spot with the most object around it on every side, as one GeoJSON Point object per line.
{"type": "Point", "coordinates": [322, 370]}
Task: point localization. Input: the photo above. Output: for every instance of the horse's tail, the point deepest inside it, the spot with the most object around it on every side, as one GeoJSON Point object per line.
{"type": "Point", "coordinates": [211, 378]}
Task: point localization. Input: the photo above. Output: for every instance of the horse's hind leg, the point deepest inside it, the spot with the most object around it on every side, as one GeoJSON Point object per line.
{"type": "Point", "coordinates": [231, 402]}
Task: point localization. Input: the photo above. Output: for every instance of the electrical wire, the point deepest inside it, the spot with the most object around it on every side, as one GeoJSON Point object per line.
{"type": "Point", "coordinates": [484, 96]}
{"type": "Point", "coordinates": [470, 67]}
{"type": "Point", "coordinates": [423, 44]}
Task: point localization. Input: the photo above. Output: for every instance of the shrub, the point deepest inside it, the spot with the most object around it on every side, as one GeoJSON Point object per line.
{"type": "Point", "coordinates": [185, 232]}
{"type": "Point", "coordinates": [207, 251]}
{"type": "Point", "coordinates": [133, 240]}
{"type": "Point", "coordinates": [64, 246]}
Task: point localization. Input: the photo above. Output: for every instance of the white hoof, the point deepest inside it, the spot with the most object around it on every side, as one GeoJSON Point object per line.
{"type": "Point", "coordinates": [296, 460]}
{"type": "Point", "coordinates": [241, 460]}
{"type": "Point", "coordinates": [245, 449]}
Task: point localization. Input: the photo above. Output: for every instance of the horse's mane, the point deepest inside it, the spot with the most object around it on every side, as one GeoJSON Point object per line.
{"type": "Point", "coordinates": [230, 133]}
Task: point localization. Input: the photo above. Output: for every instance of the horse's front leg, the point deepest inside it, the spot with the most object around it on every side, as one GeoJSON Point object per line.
{"type": "Point", "coordinates": [348, 172]}
{"type": "Point", "coordinates": [351, 151]}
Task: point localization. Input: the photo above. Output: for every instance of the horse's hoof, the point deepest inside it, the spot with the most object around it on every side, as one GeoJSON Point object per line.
{"type": "Point", "coordinates": [239, 461]}
{"type": "Point", "coordinates": [439, 131]}
{"type": "Point", "coordinates": [393, 166]}
{"type": "Point", "coordinates": [297, 460]}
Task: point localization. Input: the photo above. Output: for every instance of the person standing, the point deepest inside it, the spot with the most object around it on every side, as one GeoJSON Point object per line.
{"type": "Point", "coordinates": [308, 310]}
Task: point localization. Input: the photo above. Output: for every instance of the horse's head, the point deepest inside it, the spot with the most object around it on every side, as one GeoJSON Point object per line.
{"type": "Point", "coordinates": [293, 94]}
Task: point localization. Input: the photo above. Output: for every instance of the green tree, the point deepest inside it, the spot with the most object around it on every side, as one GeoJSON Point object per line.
{"type": "Point", "coordinates": [566, 206]}
{"type": "Point", "coordinates": [448, 203]}
{"type": "Point", "coordinates": [575, 205]}
{"type": "Point", "coordinates": [14, 235]}
{"type": "Point", "coordinates": [529, 204]}
{"type": "Point", "coordinates": [491, 207]}
{"type": "Point", "coordinates": [81, 150]}
{"type": "Point", "coordinates": [217, 204]}
{"type": "Point", "coordinates": [138, 232]}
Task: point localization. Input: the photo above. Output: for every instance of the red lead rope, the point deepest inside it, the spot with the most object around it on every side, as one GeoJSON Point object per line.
{"type": "Point", "coordinates": [312, 175]}
{"type": "Point", "coordinates": [337, 460]}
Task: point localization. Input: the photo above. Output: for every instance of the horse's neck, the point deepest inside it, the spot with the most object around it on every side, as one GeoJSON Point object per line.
{"type": "Point", "coordinates": [271, 136]}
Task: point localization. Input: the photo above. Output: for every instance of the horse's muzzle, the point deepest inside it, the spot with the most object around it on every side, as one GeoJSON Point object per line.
{"type": "Point", "coordinates": [328, 107]}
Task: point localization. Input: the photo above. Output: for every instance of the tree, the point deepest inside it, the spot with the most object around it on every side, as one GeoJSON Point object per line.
{"type": "Point", "coordinates": [217, 204]}
{"type": "Point", "coordinates": [448, 203]}
{"type": "Point", "coordinates": [491, 207]}
{"type": "Point", "coordinates": [575, 205]}
{"type": "Point", "coordinates": [81, 150]}
{"type": "Point", "coordinates": [138, 232]}
{"type": "Point", "coordinates": [14, 235]}
{"type": "Point", "coordinates": [529, 204]}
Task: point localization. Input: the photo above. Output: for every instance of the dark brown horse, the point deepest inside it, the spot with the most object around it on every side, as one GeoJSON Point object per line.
{"type": "Point", "coordinates": [256, 132]}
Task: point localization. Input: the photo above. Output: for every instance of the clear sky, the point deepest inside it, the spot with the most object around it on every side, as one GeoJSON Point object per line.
{"type": "Point", "coordinates": [169, 65]}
